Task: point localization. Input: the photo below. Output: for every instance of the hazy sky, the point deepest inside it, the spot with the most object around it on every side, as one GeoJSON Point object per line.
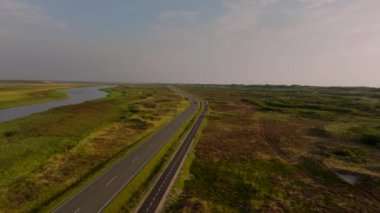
{"type": "Point", "coordinates": [317, 42]}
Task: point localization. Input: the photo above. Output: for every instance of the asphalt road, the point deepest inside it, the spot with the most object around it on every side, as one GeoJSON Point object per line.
{"type": "Point", "coordinates": [152, 201]}
{"type": "Point", "coordinates": [99, 193]}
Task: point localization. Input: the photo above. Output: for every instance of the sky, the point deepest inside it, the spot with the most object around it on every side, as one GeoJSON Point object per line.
{"type": "Point", "coordinates": [304, 42]}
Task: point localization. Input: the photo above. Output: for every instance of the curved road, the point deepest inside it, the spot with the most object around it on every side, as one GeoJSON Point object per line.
{"type": "Point", "coordinates": [99, 193]}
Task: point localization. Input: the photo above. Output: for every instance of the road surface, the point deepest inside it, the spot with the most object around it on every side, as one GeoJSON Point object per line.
{"type": "Point", "coordinates": [99, 193]}
{"type": "Point", "coordinates": [152, 201]}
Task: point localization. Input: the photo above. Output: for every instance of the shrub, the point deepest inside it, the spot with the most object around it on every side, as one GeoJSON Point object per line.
{"type": "Point", "coordinates": [354, 155]}
{"type": "Point", "coordinates": [372, 139]}
{"type": "Point", "coordinates": [8, 134]}
{"type": "Point", "coordinates": [319, 131]}
{"type": "Point", "coordinates": [134, 109]}
{"type": "Point", "coordinates": [138, 124]}
{"type": "Point", "coordinates": [317, 170]}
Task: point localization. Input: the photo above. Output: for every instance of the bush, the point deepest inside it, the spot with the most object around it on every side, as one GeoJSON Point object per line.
{"type": "Point", "coordinates": [134, 109]}
{"type": "Point", "coordinates": [354, 155]}
{"type": "Point", "coordinates": [372, 139]}
{"type": "Point", "coordinates": [8, 134]}
{"type": "Point", "coordinates": [319, 131]}
{"type": "Point", "coordinates": [138, 124]}
{"type": "Point", "coordinates": [318, 170]}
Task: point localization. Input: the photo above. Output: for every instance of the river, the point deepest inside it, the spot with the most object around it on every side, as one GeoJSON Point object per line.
{"type": "Point", "coordinates": [76, 96]}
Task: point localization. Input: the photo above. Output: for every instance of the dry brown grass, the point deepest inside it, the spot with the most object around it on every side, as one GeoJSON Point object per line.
{"type": "Point", "coordinates": [253, 158]}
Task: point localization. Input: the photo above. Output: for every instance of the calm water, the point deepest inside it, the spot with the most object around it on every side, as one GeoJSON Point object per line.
{"type": "Point", "coordinates": [76, 96]}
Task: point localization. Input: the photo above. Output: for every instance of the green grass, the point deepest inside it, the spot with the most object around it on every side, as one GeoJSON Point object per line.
{"type": "Point", "coordinates": [19, 94]}
{"type": "Point", "coordinates": [313, 168]}
{"type": "Point", "coordinates": [46, 155]}
{"type": "Point", "coordinates": [232, 187]}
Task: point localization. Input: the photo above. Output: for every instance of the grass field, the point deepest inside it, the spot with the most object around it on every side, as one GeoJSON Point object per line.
{"type": "Point", "coordinates": [26, 93]}
{"type": "Point", "coordinates": [45, 156]}
{"type": "Point", "coordinates": [284, 149]}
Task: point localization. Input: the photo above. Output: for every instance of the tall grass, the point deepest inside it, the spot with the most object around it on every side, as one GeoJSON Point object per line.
{"type": "Point", "coordinates": [18, 94]}
{"type": "Point", "coordinates": [43, 155]}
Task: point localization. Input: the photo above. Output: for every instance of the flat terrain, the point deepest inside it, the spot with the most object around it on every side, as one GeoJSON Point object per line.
{"type": "Point", "coordinates": [284, 149]}
{"type": "Point", "coordinates": [111, 182]}
{"type": "Point", "coordinates": [46, 157]}
{"type": "Point", "coordinates": [26, 93]}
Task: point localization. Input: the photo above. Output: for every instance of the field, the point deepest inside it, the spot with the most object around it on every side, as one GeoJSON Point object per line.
{"type": "Point", "coordinates": [47, 156]}
{"type": "Point", "coordinates": [26, 93]}
{"type": "Point", "coordinates": [283, 149]}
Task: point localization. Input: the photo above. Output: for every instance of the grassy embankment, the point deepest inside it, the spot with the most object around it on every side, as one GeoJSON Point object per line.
{"type": "Point", "coordinates": [268, 148]}
{"type": "Point", "coordinates": [139, 186]}
{"type": "Point", "coordinates": [47, 156]}
{"type": "Point", "coordinates": [20, 94]}
{"type": "Point", "coordinates": [183, 174]}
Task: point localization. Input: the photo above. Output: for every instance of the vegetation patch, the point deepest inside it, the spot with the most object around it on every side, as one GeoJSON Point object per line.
{"type": "Point", "coordinates": [317, 170]}
{"type": "Point", "coordinates": [45, 157]}
{"type": "Point", "coordinates": [318, 131]}
{"type": "Point", "coordinates": [184, 172]}
{"type": "Point", "coordinates": [279, 148]}
{"type": "Point", "coordinates": [27, 93]}
{"type": "Point", "coordinates": [372, 139]}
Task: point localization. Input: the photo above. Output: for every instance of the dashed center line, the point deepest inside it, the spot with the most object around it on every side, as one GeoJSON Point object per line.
{"type": "Point", "coordinates": [109, 182]}
{"type": "Point", "coordinates": [134, 159]}
{"type": "Point", "coordinates": [76, 211]}
{"type": "Point", "coordinates": [153, 199]}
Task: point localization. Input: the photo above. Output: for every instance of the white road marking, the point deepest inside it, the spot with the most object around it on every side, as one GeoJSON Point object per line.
{"type": "Point", "coordinates": [109, 182]}
{"type": "Point", "coordinates": [113, 196]}
{"type": "Point", "coordinates": [134, 159]}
